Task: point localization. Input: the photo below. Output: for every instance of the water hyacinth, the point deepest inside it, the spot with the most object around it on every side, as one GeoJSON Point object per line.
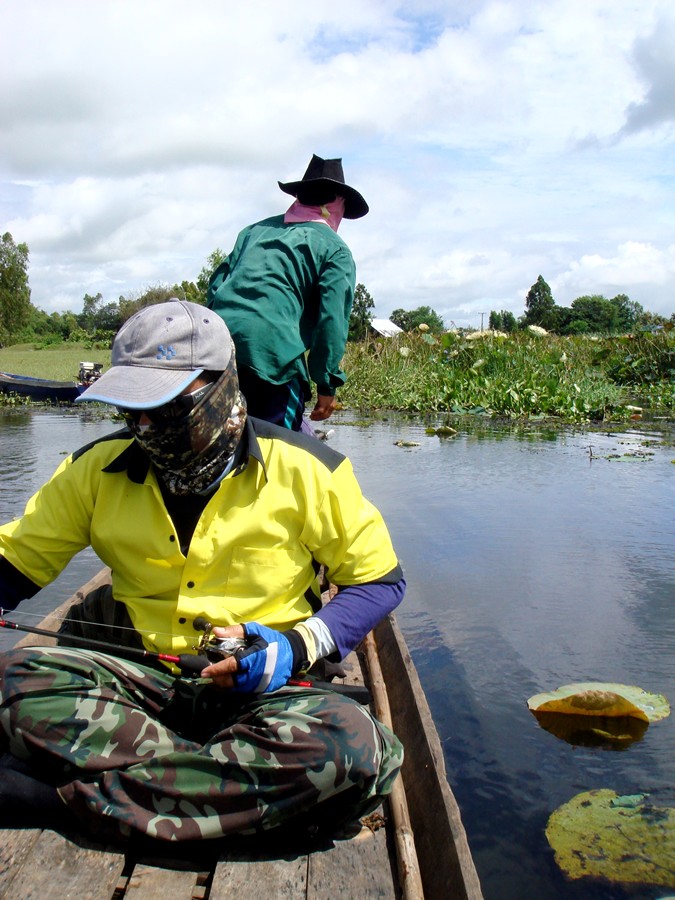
{"type": "Point", "coordinates": [568, 378]}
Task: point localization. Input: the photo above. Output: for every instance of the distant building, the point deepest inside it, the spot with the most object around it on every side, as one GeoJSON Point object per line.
{"type": "Point", "coordinates": [384, 328]}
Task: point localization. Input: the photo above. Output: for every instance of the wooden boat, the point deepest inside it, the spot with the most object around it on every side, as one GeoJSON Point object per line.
{"type": "Point", "coordinates": [415, 847]}
{"type": "Point", "coordinates": [44, 390]}
{"type": "Point", "coordinates": [40, 389]}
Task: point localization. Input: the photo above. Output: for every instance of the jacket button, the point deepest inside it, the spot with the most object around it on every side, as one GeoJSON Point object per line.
{"type": "Point", "coordinates": [190, 584]}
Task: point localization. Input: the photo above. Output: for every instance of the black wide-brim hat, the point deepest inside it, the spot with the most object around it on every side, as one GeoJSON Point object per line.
{"type": "Point", "coordinates": [327, 173]}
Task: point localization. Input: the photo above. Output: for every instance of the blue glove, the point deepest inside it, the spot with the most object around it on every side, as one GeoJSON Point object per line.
{"type": "Point", "coordinates": [269, 660]}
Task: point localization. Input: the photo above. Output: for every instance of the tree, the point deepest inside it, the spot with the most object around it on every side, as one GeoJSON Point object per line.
{"type": "Point", "coordinates": [409, 320]}
{"type": "Point", "coordinates": [361, 315]}
{"type": "Point", "coordinates": [158, 293]}
{"type": "Point", "coordinates": [90, 307]}
{"type": "Point", "coordinates": [629, 312]}
{"type": "Point", "coordinates": [502, 321]}
{"type": "Point", "coordinates": [212, 262]}
{"type": "Point", "coordinates": [539, 305]}
{"type": "Point", "coordinates": [15, 305]}
{"type": "Point", "coordinates": [597, 313]}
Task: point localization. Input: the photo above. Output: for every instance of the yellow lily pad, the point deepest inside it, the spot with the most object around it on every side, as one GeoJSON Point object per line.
{"type": "Point", "coordinates": [623, 839]}
{"type": "Point", "coordinates": [598, 698]}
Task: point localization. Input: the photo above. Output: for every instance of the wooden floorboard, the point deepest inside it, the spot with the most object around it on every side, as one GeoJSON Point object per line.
{"type": "Point", "coordinates": [56, 868]}
{"type": "Point", "coordinates": [15, 846]}
{"type": "Point", "coordinates": [283, 878]}
{"type": "Point", "coordinates": [358, 867]}
{"type": "Point", "coordinates": [153, 883]}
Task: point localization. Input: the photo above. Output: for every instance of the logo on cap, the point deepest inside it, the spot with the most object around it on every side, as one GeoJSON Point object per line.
{"type": "Point", "coordinates": [165, 352]}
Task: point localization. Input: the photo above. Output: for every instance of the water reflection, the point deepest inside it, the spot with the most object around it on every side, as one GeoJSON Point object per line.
{"type": "Point", "coordinates": [530, 563]}
{"type": "Point", "coordinates": [607, 733]}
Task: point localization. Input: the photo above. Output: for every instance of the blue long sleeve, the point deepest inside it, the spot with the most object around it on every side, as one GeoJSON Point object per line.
{"type": "Point", "coordinates": [357, 609]}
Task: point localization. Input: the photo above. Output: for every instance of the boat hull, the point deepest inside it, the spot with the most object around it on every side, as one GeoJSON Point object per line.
{"type": "Point", "coordinates": [41, 390]}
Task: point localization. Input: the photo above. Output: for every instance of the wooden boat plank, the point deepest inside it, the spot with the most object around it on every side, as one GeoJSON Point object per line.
{"type": "Point", "coordinates": [434, 813]}
{"type": "Point", "coordinates": [153, 883]}
{"type": "Point", "coordinates": [15, 847]}
{"type": "Point", "coordinates": [358, 867]}
{"type": "Point", "coordinates": [283, 878]}
{"type": "Point", "coordinates": [59, 869]}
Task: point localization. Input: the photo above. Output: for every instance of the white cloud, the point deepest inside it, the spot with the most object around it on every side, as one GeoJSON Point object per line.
{"type": "Point", "coordinates": [494, 140]}
{"type": "Point", "coordinates": [648, 269]}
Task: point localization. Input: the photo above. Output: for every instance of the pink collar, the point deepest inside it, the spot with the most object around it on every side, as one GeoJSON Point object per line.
{"type": "Point", "coordinates": [331, 213]}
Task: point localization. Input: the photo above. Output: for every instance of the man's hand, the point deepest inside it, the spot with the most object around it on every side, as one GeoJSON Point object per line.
{"type": "Point", "coordinates": [223, 672]}
{"type": "Point", "coordinates": [265, 665]}
{"type": "Point", "coordinates": [325, 405]}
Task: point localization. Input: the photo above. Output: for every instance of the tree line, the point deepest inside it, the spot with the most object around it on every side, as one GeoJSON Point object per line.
{"type": "Point", "coordinates": [590, 314]}
{"type": "Point", "coordinates": [99, 321]}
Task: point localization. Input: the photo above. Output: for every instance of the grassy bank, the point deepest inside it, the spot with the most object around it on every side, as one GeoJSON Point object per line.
{"type": "Point", "coordinates": [525, 375]}
{"type": "Point", "coordinates": [59, 362]}
{"type": "Point", "coordinates": [576, 379]}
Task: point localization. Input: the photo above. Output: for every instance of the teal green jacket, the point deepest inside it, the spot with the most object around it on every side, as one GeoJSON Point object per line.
{"type": "Point", "coordinates": [285, 290]}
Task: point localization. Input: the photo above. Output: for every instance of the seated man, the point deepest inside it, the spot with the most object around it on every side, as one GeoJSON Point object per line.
{"type": "Point", "coordinates": [202, 514]}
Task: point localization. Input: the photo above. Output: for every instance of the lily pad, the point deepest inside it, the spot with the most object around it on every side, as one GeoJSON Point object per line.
{"type": "Point", "coordinates": [625, 839]}
{"type": "Point", "coordinates": [598, 698]}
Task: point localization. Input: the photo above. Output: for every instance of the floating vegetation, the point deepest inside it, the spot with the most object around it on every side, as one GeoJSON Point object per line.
{"type": "Point", "coordinates": [624, 839]}
{"type": "Point", "coordinates": [406, 444]}
{"type": "Point", "coordinates": [442, 431]}
{"type": "Point", "coordinates": [599, 698]}
{"type": "Point", "coordinates": [518, 376]}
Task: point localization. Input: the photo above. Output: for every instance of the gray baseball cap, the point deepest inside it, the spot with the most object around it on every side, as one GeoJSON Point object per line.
{"type": "Point", "coordinates": [159, 351]}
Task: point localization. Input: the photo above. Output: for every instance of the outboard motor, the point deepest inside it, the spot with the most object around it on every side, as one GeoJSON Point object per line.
{"type": "Point", "coordinates": [89, 372]}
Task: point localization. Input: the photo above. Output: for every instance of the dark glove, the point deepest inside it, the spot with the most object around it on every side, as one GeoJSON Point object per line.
{"type": "Point", "coordinates": [271, 658]}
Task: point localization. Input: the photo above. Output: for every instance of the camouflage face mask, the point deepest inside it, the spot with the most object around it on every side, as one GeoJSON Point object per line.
{"type": "Point", "coordinates": [191, 453]}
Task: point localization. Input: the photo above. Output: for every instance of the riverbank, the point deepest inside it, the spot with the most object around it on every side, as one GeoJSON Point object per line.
{"type": "Point", "coordinates": [523, 377]}
{"type": "Point", "coordinates": [526, 375]}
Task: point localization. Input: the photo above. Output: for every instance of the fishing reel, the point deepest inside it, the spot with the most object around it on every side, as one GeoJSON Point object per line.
{"type": "Point", "coordinates": [213, 647]}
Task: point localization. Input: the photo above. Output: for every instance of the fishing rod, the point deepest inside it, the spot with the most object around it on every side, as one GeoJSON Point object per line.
{"type": "Point", "coordinates": [211, 649]}
{"type": "Point", "coordinates": [188, 663]}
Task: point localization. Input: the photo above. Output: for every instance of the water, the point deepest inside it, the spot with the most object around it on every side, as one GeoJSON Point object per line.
{"type": "Point", "coordinates": [532, 561]}
{"type": "Point", "coordinates": [32, 445]}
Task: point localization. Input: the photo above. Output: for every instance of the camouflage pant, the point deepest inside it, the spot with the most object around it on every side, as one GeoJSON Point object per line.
{"type": "Point", "coordinates": [135, 749]}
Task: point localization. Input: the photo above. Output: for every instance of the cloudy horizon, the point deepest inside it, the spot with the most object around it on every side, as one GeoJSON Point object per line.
{"type": "Point", "coordinates": [494, 142]}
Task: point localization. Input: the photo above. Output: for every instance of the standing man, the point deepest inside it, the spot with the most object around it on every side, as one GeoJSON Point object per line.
{"type": "Point", "coordinates": [201, 513]}
{"type": "Point", "coordinates": [286, 293]}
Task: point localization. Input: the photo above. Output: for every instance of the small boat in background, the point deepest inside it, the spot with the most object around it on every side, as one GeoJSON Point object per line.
{"type": "Point", "coordinates": [44, 390]}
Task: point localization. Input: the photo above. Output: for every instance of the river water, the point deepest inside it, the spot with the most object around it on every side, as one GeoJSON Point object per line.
{"type": "Point", "coordinates": [533, 560]}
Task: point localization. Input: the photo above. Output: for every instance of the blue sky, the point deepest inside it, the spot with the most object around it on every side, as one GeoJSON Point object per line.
{"type": "Point", "coordinates": [494, 142]}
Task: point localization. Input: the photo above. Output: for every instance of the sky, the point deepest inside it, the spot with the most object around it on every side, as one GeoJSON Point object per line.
{"type": "Point", "coordinates": [493, 141]}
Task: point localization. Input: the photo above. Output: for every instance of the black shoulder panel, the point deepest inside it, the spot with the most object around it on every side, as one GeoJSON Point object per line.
{"type": "Point", "coordinates": [330, 458]}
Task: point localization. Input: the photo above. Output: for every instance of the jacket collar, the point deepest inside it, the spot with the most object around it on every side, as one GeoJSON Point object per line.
{"type": "Point", "coordinates": [136, 464]}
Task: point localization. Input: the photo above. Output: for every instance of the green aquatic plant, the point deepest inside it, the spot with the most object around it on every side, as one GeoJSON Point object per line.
{"type": "Point", "coordinates": [519, 377]}
{"type": "Point", "coordinates": [625, 839]}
